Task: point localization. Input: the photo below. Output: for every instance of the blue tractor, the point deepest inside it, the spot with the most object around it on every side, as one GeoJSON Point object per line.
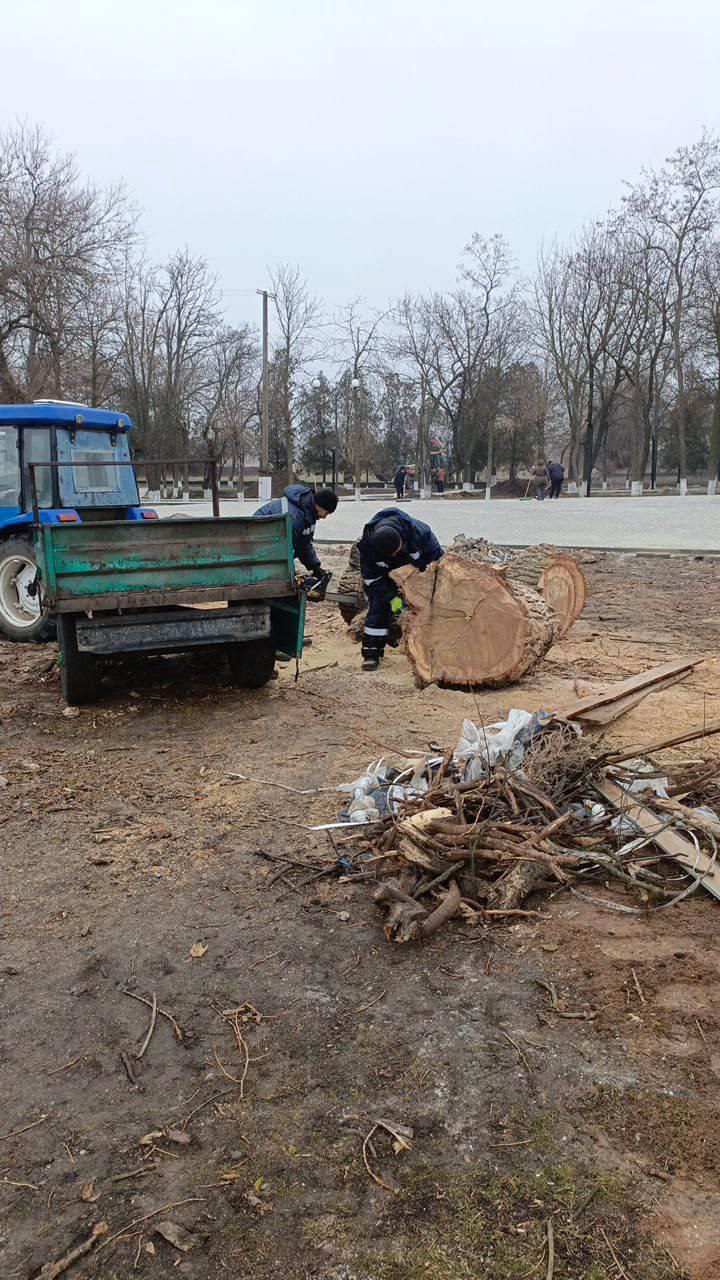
{"type": "Point", "coordinates": [84, 485]}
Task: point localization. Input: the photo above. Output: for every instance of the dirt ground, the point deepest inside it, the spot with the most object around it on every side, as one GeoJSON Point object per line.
{"type": "Point", "coordinates": [132, 865]}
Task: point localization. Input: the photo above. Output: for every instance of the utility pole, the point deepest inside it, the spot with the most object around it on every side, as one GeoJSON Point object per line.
{"type": "Point", "coordinates": [264, 482]}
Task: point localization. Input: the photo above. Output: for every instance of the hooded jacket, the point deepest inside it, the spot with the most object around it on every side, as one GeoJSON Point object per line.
{"type": "Point", "coordinates": [420, 547]}
{"type": "Point", "coordinates": [298, 502]}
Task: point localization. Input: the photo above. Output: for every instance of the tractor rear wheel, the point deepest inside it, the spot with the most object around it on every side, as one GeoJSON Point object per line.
{"type": "Point", "coordinates": [22, 617]}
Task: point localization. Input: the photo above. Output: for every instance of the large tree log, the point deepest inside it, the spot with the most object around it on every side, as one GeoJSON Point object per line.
{"type": "Point", "coordinates": [555, 574]}
{"type": "Point", "coordinates": [470, 626]}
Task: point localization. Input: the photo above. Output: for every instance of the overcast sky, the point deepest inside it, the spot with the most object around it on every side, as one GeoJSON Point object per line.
{"type": "Point", "coordinates": [364, 140]}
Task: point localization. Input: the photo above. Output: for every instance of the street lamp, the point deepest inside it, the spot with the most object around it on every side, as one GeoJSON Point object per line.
{"type": "Point", "coordinates": [317, 384]}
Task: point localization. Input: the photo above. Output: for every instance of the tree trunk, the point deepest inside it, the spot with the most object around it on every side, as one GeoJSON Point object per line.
{"type": "Point", "coordinates": [557, 576]}
{"type": "Point", "coordinates": [471, 627]}
{"type": "Point", "coordinates": [681, 406]}
{"type": "Point", "coordinates": [714, 457]}
{"type": "Point", "coordinates": [589, 452]}
{"type": "Point", "coordinates": [540, 437]}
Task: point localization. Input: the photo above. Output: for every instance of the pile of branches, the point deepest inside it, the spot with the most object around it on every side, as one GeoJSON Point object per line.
{"type": "Point", "coordinates": [478, 848]}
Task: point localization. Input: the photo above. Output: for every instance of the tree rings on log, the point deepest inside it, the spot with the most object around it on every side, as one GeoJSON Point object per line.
{"type": "Point", "coordinates": [470, 626]}
{"type": "Point", "coordinates": [563, 585]}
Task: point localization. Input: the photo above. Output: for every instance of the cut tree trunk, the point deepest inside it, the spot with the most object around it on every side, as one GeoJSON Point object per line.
{"type": "Point", "coordinates": [351, 584]}
{"type": "Point", "coordinates": [555, 574]}
{"type": "Point", "coordinates": [470, 626]}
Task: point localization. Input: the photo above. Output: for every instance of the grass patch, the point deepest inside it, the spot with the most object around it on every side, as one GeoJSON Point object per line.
{"type": "Point", "coordinates": [674, 1131]}
{"type": "Point", "coordinates": [483, 1224]}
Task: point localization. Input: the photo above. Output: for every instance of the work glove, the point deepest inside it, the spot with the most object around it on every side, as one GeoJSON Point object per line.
{"type": "Point", "coordinates": [396, 605]}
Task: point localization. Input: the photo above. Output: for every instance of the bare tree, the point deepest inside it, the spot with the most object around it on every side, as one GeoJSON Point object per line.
{"type": "Point", "coordinates": [560, 335]}
{"type": "Point", "coordinates": [61, 240]}
{"type": "Point", "coordinates": [297, 315]}
{"type": "Point", "coordinates": [356, 349]}
{"type": "Point", "coordinates": [644, 354]}
{"type": "Point", "coordinates": [450, 337]}
{"type": "Point", "coordinates": [706, 319]}
{"type": "Point", "coordinates": [231, 398]}
{"type": "Point", "coordinates": [678, 205]}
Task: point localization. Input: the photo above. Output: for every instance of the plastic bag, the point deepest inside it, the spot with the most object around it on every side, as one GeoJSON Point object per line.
{"type": "Point", "coordinates": [482, 747]}
{"type": "Point", "coordinates": [369, 781]}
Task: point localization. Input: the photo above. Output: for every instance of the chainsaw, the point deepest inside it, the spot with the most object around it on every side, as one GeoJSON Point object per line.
{"type": "Point", "coordinates": [315, 587]}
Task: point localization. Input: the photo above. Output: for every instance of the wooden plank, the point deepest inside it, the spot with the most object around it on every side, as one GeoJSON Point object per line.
{"type": "Point", "coordinates": [268, 590]}
{"type": "Point", "coordinates": [613, 710]}
{"type": "Point", "coordinates": [633, 683]}
{"type": "Point", "coordinates": [671, 842]}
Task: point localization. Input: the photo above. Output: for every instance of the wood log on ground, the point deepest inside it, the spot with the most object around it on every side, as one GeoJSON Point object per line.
{"type": "Point", "coordinates": [471, 627]}
{"type": "Point", "coordinates": [351, 584]}
{"type": "Point", "coordinates": [555, 574]}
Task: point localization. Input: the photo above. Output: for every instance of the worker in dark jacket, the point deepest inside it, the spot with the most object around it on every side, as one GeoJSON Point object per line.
{"type": "Point", "coordinates": [391, 539]}
{"type": "Point", "coordinates": [556, 472]}
{"type": "Point", "coordinates": [399, 481]}
{"type": "Point", "coordinates": [305, 507]}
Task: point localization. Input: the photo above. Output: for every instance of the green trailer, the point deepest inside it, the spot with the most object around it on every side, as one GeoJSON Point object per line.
{"type": "Point", "coordinates": [156, 586]}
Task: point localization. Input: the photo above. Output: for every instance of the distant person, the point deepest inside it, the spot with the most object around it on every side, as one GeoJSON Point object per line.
{"type": "Point", "coordinates": [305, 506]}
{"type": "Point", "coordinates": [440, 480]}
{"type": "Point", "coordinates": [556, 473]}
{"type": "Point", "coordinates": [540, 477]}
{"type": "Point", "coordinates": [399, 481]}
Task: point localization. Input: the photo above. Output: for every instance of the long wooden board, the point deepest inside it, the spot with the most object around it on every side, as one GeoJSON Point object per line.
{"type": "Point", "coordinates": [631, 685]}
{"type": "Point", "coordinates": [671, 842]}
{"type": "Point", "coordinates": [613, 710]}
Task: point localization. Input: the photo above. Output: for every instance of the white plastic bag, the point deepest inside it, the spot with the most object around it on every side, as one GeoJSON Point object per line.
{"type": "Point", "coordinates": [482, 747]}
{"type": "Point", "coordinates": [376, 774]}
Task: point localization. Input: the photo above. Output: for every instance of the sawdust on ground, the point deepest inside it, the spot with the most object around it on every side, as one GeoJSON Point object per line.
{"type": "Point", "coordinates": [124, 843]}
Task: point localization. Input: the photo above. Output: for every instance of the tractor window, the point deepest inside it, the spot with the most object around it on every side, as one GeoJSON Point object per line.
{"type": "Point", "coordinates": [90, 474]}
{"type": "Point", "coordinates": [37, 447]}
{"type": "Point", "coordinates": [9, 468]}
{"type": "Point", "coordinates": [93, 470]}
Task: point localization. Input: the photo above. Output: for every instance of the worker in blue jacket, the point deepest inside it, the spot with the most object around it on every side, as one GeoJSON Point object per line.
{"type": "Point", "coordinates": [305, 506]}
{"type": "Point", "coordinates": [391, 539]}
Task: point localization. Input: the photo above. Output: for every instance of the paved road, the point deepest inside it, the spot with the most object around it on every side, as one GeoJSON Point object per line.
{"type": "Point", "coordinates": [671, 523]}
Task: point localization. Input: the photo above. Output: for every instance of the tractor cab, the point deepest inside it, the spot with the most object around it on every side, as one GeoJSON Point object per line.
{"type": "Point", "coordinates": [86, 444]}
{"type": "Point", "coordinates": [81, 473]}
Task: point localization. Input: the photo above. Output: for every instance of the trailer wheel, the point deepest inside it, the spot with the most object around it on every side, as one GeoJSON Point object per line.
{"type": "Point", "coordinates": [22, 617]}
{"type": "Point", "coordinates": [251, 663]}
{"type": "Point", "coordinates": [78, 671]}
